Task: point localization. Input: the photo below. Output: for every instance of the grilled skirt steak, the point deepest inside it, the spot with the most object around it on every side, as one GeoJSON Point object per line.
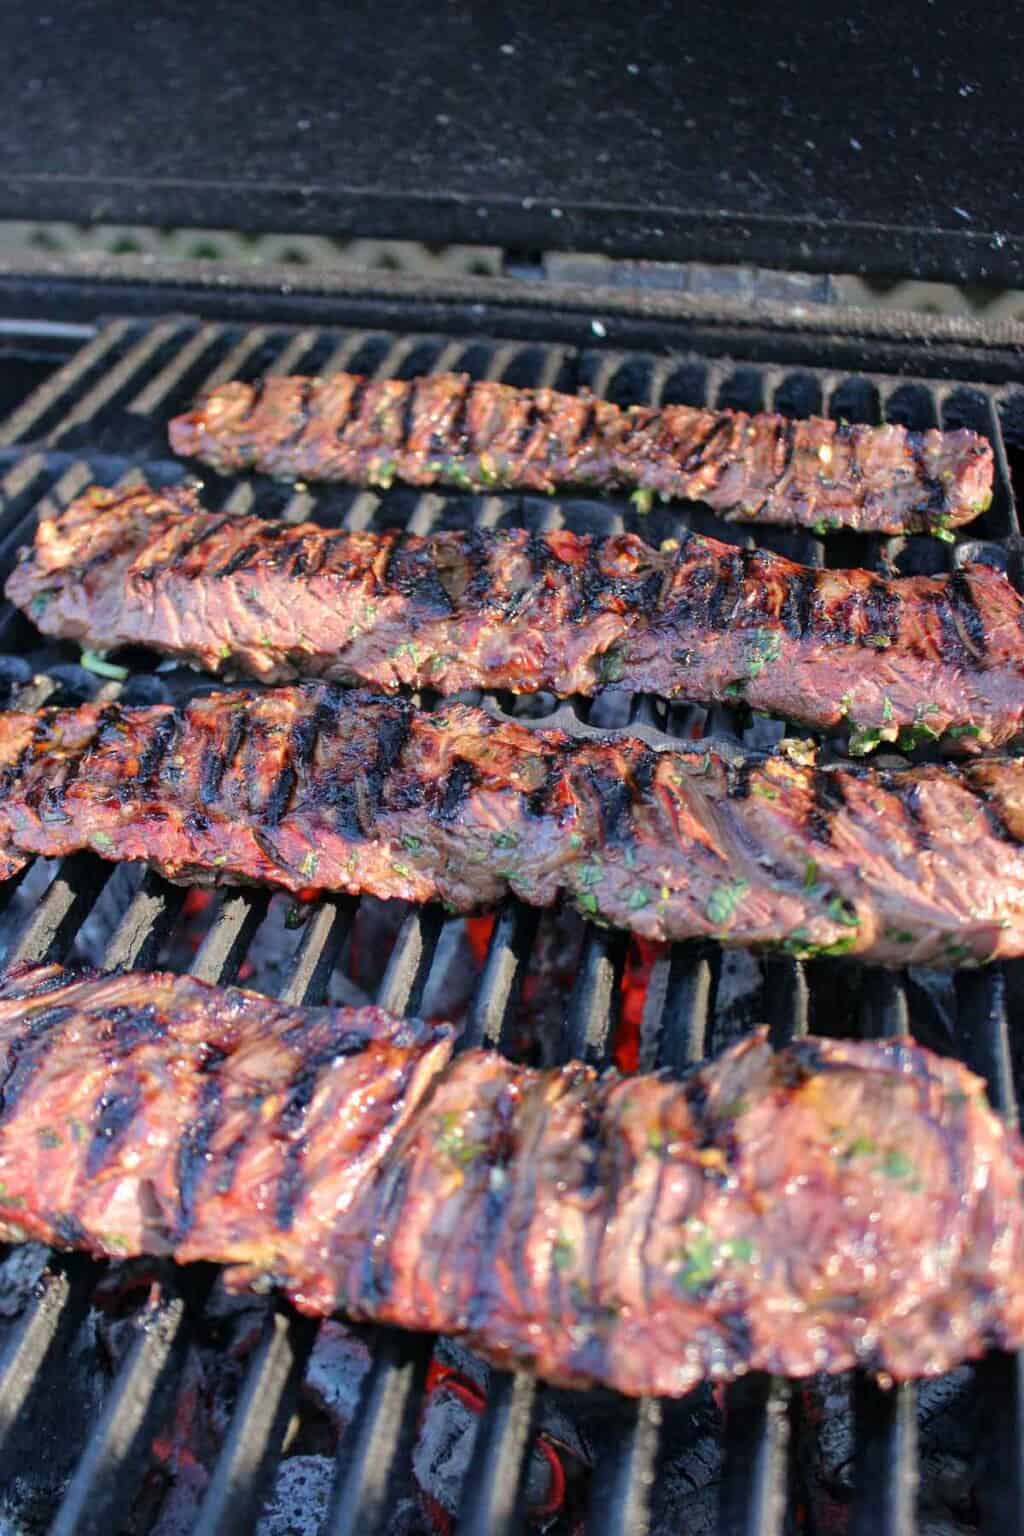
{"type": "Point", "coordinates": [317, 787]}
{"type": "Point", "coordinates": [924, 656]}
{"type": "Point", "coordinates": [837, 1203]}
{"type": "Point", "coordinates": [447, 430]}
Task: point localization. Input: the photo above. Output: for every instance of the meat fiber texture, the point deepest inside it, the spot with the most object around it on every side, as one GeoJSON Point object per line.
{"type": "Point", "coordinates": [908, 660]}
{"type": "Point", "coordinates": [320, 788]}
{"type": "Point", "coordinates": [835, 1204]}
{"type": "Point", "coordinates": [448, 430]}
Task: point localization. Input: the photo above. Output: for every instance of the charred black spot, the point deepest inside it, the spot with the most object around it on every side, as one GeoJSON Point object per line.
{"type": "Point", "coordinates": [971, 624]}
{"type": "Point", "coordinates": [238, 560]}
{"type": "Point", "coordinates": [797, 611]}
{"type": "Point", "coordinates": [412, 573]}
{"type": "Point", "coordinates": [738, 777]}
{"type": "Point", "coordinates": [163, 734]}
{"type": "Point", "coordinates": [356, 401]}
{"type": "Point", "coordinates": [132, 1026]}
{"type": "Point", "coordinates": [116, 1109]}
{"type": "Point", "coordinates": [195, 1144]}
{"type": "Point", "coordinates": [698, 457]}
{"type": "Point", "coordinates": [27, 1052]}
{"type": "Point", "coordinates": [409, 411]}
{"type": "Point", "coordinates": [459, 433]}
{"type": "Point", "coordinates": [280, 797]}
{"type": "Point", "coordinates": [908, 792]}
{"type": "Point", "coordinates": [827, 800]}
{"type": "Point", "coordinates": [292, 1115]}
{"type": "Point", "coordinates": [212, 765]}
{"type": "Point", "coordinates": [882, 613]}
{"type": "Point", "coordinates": [204, 531]}
{"type": "Point", "coordinates": [460, 782]}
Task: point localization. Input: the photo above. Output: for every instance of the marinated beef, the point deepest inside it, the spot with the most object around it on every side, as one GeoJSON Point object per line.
{"type": "Point", "coordinates": [916, 658]}
{"type": "Point", "coordinates": [446, 429]}
{"type": "Point", "coordinates": [316, 787]}
{"type": "Point", "coordinates": [837, 1203]}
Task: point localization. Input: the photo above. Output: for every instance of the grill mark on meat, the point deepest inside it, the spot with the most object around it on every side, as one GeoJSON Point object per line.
{"type": "Point", "coordinates": [237, 561]}
{"type": "Point", "coordinates": [882, 612]}
{"type": "Point", "coordinates": [699, 457]}
{"type": "Point", "coordinates": [116, 1109]}
{"type": "Point", "coordinates": [827, 800]}
{"type": "Point", "coordinates": [195, 1145]}
{"type": "Point", "coordinates": [797, 610]}
{"type": "Point", "coordinates": [409, 412]}
{"type": "Point", "coordinates": [908, 793]}
{"type": "Point", "coordinates": [173, 557]}
{"type": "Point", "coordinates": [726, 592]}
{"type": "Point", "coordinates": [458, 431]}
{"type": "Point", "coordinates": [460, 782]}
{"type": "Point", "coordinates": [28, 1051]}
{"type": "Point", "coordinates": [157, 748]}
{"type": "Point", "coordinates": [292, 1117]}
{"type": "Point", "coordinates": [969, 621]}
{"type": "Point", "coordinates": [354, 406]}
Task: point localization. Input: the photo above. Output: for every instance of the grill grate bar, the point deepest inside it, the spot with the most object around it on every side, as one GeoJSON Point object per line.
{"type": "Point", "coordinates": [594, 1004]}
{"type": "Point", "coordinates": [497, 991]}
{"type": "Point", "coordinates": [223, 950]}
{"type": "Point", "coordinates": [620, 1500]}
{"type": "Point", "coordinates": [153, 394]}
{"type": "Point", "coordinates": [114, 380]}
{"type": "Point", "coordinates": [756, 1438]}
{"type": "Point", "coordinates": [401, 990]}
{"type": "Point", "coordinates": [148, 921]}
{"type": "Point", "coordinates": [63, 382]}
{"type": "Point", "coordinates": [117, 1454]}
{"type": "Point", "coordinates": [885, 1471]}
{"type": "Point", "coordinates": [38, 1343]}
{"type": "Point", "coordinates": [70, 895]}
{"type": "Point", "coordinates": [374, 1459]}
{"type": "Point", "coordinates": [492, 1503]}
{"type": "Point", "coordinates": [323, 939]}
{"type": "Point", "coordinates": [247, 1463]}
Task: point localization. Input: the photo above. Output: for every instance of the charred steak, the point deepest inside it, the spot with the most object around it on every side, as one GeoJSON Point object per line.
{"type": "Point", "coordinates": [921, 657]}
{"type": "Point", "coordinates": [837, 1203]}
{"type": "Point", "coordinates": [318, 787]}
{"type": "Point", "coordinates": [447, 430]}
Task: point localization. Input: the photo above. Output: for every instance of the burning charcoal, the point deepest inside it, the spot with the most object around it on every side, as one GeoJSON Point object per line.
{"type": "Point", "coordinates": [947, 1429]}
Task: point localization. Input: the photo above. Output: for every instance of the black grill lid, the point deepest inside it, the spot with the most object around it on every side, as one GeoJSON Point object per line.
{"type": "Point", "coordinates": [881, 139]}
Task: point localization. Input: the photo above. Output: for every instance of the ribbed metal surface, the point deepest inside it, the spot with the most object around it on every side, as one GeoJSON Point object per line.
{"type": "Point", "coordinates": [104, 415]}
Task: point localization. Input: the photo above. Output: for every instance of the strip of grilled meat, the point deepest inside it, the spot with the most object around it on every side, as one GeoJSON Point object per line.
{"type": "Point", "coordinates": [559, 611]}
{"type": "Point", "coordinates": [317, 787]}
{"type": "Point", "coordinates": [447, 430]}
{"type": "Point", "coordinates": [837, 1203]}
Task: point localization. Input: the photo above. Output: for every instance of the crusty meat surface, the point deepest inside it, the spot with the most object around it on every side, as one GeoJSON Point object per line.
{"type": "Point", "coordinates": [447, 430]}
{"type": "Point", "coordinates": [922, 656]}
{"type": "Point", "coordinates": [837, 1203]}
{"type": "Point", "coordinates": [319, 787]}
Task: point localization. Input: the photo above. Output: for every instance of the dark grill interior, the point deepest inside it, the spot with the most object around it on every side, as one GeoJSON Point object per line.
{"type": "Point", "coordinates": [103, 417]}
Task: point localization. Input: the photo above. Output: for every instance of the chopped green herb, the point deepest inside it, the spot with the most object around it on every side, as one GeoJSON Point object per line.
{"type": "Point", "coordinates": [403, 870]}
{"type": "Point", "coordinates": [879, 642]}
{"type": "Point", "coordinates": [49, 1138]}
{"type": "Point", "coordinates": [101, 840]}
{"type": "Point", "coordinates": [308, 867]}
{"type": "Point", "coordinates": [639, 897]}
{"type": "Point", "coordinates": [864, 740]}
{"type": "Point", "coordinates": [956, 731]}
{"type": "Point", "coordinates": [643, 500]}
{"type": "Point", "coordinates": [724, 900]}
{"type": "Point", "coordinates": [740, 1248]}
{"type": "Point", "coordinates": [409, 841]}
{"type": "Point", "coordinates": [861, 1146]}
{"type": "Point", "coordinates": [37, 607]}
{"type": "Point", "coordinates": [610, 667]}
{"type": "Point", "coordinates": [296, 914]}
{"type": "Point", "coordinates": [897, 1165]}
{"type": "Point", "coordinates": [505, 839]}
{"type": "Point", "coordinates": [734, 690]}
{"type": "Point", "coordinates": [844, 704]}
{"type": "Point", "coordinates": [698, 1269]}
{"type": "Point", "coordinates": [563, 1252]}
{"type": "Point", "coordinates": [811, 874]}
{"type": "Point", "coordinates": [942, 530]}
{"type": "Point", "coordinates": [452, 1140]}
{"type": "Point", "coordinates": [841, 912]}
{"type": "Point", "coordinates": [95, 661]}
{"type": "Point", "coordinates": [590, 874]}
{"type": "Point", "coordinates": [588, 901]}
{"type": "Point", "coordinates": [764, 791]}
{"type": "Point", "coordinates": [820, 527]}
{"type": "Point", "coordinates": [912, 736]}
{"type": "Point", "coordinates": [887, 709]}
{"type": "Point", "coordinates": [575, 840]}
{"type": "Point", "coordinates": [900, 935]}
{"type": "Point", "coordinates": [655, 1138]}
{"type": "Point", "coordinates": [763, 647]}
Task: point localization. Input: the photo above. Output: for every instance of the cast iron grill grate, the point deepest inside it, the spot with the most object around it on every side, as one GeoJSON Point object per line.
{"type": "Point", "coordinates": [102, 417]}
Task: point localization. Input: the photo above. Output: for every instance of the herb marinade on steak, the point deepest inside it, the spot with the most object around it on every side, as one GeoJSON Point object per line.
{"type": "Point", "coordinates": [572, 614]}
{"type": "Point", "coordinates": [837, 1203]}
{"type": "Point", "coordinates": [447, 430]}
{"type": "Point", "coordinates": [319, 787]}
